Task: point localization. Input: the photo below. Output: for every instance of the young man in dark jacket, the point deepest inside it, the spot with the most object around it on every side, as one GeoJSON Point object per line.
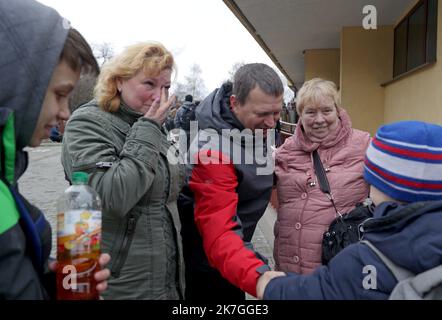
{"type": "Point", "coordinates": [41, 61]}
{"type": "Point", "coordinates": [228, 185]}
{"type": "Point", "coordinates": [403, 166]}
{"type": "Point", "coordinates": [185, 114]}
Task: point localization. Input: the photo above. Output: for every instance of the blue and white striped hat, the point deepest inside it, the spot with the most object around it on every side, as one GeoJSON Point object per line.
{"type": "Point", "coordinates": [404, 161]}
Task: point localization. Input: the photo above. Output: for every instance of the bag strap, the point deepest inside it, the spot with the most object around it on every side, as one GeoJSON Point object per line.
{"type": "Point", "coordinates": [398, 272]}
{"type": "Point", "coordinates": [320, 173]}
{"type": "Point", "coordinates": [322, 179]}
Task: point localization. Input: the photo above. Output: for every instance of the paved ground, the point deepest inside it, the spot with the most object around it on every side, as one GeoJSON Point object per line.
{"type": "Point", "coordinates": [43, 183]}
{"type": "Point", "coordinates": [263, 237]}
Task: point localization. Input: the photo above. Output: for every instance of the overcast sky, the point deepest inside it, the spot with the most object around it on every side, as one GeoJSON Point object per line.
{"type": "Point", "coordinates": [196, 31]}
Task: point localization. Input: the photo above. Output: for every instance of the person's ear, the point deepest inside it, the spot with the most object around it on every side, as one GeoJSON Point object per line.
{"type": "Point", "coordinates": [233, 102]}
{"type": "Point", "coordinates": [337, 111]}
{"type": "Point", "coordinates": [119, 83]}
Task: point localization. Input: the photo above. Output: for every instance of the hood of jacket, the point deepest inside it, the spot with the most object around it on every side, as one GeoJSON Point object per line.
{"type": "Point", "coordinates": [410, 235]}
{"type": "Point", "coordinates": [32, 37]}
{"type": "Point", "coordinates": [214, 111]}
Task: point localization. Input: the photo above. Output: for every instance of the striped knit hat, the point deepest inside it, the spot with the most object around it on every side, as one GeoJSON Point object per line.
{"type": "Point", "coordinates": [404, 161]}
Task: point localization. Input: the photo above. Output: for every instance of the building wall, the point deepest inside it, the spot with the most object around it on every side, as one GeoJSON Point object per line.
{"type": "Point", "coordinates": [418, 96]}
{"type": "Point", "coordinates": [366, 63]}
{"type": "Point", "coordinates": [322, 63]}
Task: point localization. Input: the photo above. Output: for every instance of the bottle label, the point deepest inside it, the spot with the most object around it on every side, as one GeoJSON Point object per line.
{"type": "Point", "coordinates": [79, 231]}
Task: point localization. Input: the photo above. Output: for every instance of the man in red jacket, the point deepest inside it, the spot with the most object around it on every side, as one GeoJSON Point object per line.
{"type": "Point", "coordinates": [229, 185]}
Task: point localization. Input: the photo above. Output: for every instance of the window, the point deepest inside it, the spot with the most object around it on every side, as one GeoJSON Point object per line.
{"type": "Point", "coordinates": [415, 38]}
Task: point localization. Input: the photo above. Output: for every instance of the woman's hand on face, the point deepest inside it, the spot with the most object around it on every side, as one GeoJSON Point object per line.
{"type": "Point", "coordinates": [158, 110]}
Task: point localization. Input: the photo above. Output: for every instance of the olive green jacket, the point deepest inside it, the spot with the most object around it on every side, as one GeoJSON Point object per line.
{"type": "Point", "coordinates": [126, 157]}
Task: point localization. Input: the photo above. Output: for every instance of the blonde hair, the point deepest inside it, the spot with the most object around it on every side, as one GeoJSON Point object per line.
{"type": "Point", "coordinates": [151, 57]}
{"type": "Point", "coordinates": [313, 90]}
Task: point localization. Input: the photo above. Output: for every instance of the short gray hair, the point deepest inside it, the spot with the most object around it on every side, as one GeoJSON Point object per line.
{"type": "Point", "coordinates": [315, 89]}
{"type": "Point", "coordinates": [256, 74]}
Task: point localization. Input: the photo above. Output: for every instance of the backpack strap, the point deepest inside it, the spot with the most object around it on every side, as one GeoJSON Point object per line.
{"type": "Point", "coordinates": [429, 280]}
{"type": "Point", "coordinates": [426, 285]}
{"type": "Point", "coordinates": [398, 272]}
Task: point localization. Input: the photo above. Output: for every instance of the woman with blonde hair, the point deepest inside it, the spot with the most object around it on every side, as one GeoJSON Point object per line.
{"type": "Point", "coordinates": [305, 212]}
{"type": "Point", "coordinates": [118, 138]}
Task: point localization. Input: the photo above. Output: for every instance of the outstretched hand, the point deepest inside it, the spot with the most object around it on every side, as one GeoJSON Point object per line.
{"type": "Point", "coordinates": [264, 279]}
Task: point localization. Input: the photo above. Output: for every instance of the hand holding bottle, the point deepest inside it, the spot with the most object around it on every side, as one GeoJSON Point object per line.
{"type": "Point", "coordinates": [79, 241]}
{"type": "Point", "coordinates": [100, 276]}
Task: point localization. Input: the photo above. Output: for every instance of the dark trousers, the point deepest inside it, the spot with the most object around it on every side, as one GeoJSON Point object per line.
{"type": "Point", "coordinates": [203, 283]}
{"type": "Point", "coordinates": [211, 286]}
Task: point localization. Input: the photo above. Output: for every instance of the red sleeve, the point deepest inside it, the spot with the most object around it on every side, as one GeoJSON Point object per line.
{"type": "Point", "coordinates": [216, 200]}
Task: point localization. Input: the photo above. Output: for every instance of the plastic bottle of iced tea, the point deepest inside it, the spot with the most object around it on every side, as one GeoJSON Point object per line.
{"type": "Point", "coordinates": [78, 240]}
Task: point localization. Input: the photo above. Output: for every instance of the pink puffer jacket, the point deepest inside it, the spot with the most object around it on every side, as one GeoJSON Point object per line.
{"type": "Point", "coordinates": [304, 211]}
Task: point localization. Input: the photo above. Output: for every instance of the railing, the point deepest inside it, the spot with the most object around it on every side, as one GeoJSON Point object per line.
{"type": "Point", "coordinates": [287, 128]}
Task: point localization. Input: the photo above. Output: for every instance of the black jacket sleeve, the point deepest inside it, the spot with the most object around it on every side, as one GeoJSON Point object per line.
{"type": "Point", "coordinates": [18, 278]}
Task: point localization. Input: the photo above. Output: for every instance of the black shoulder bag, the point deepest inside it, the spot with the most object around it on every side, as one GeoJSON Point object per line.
{"type": "Point", "coordinates": [344, 230]}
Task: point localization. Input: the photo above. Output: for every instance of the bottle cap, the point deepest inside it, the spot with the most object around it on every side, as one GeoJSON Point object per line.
{"type": "Point", "coordinates": [80, 177]}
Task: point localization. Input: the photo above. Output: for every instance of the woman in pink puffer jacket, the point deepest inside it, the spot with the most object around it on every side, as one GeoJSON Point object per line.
{"type": "Point", "coordinates": [305, 212]}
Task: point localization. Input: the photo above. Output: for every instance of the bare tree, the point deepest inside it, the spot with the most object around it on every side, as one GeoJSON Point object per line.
{"type": "Point", "coordinates": [233, 69]}
{"type": "Point", "coordinates": [179, 90]}
{"type": "Point", "coordinates": [288, 93]}
{"type": "Point", "coordinates": [103, 52]}
{"type": "Point", "coordinates": [83, 91]}
{"type": "Point", "coordinates": [194, 83]}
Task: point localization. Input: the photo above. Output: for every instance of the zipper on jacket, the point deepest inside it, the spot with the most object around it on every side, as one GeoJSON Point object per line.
{"type": "Point", "coordinates": [93, 167]}
{"type": "Point", "coordinates": [124, 248]}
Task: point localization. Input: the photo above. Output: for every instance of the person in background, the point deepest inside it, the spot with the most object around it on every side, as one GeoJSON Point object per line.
{"type": "Point", "coordinates": [119, 139]}
{"type": "Point", "coordinates": [185, 114]}
{"type": "Point", "coordinates": [169, 124]}
{"type": "Point", "coordinates": [56, 135]}
{"type": "Point", "coordinates": [41, 61]}
{"type": "Point", "coordinates": [305, 212]}
{"type": "Point", "coordinates": [183, 117]}
{"type": "Point", "coordinates": [403, 168]}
